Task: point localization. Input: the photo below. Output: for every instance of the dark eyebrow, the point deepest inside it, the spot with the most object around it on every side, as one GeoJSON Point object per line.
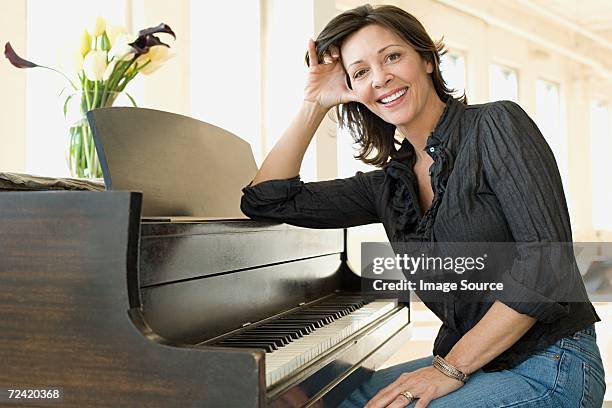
{"type": "Point", "coordinates": [378, 52]}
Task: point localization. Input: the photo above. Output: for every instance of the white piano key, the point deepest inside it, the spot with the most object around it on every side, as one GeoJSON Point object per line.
{"type": "Point", "coordinates": [288, 359]}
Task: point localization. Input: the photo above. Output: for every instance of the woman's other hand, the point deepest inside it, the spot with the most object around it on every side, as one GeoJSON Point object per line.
{"type": "Point", "coordinates": [326, 82]}
{"type": "Point", "coordinates": [425, 384]}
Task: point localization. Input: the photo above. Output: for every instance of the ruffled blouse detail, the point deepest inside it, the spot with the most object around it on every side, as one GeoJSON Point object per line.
{"type": "Point", "coordinates": [402, 188]}
{"type": "Point", "coordinates": [405, 205]}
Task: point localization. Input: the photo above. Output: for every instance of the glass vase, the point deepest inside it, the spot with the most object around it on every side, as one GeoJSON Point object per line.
{"type": "Point", "coordinates": [81, 155]}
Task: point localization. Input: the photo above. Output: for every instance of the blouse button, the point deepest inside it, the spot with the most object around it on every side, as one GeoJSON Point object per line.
{"type": "Point", "coordinates": [432, 149]}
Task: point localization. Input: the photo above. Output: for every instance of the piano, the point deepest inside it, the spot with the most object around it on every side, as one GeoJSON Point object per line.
{"type": "Point", "coordinates": [113, 304]}
{"type": "Point", "coordinates": [116, 312]}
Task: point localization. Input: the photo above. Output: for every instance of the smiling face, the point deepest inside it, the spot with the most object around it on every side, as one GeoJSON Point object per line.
{"type": "Point", "coordinates": [388, 75]}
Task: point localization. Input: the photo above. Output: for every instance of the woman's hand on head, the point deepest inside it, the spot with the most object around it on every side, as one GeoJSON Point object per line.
{"type": "Point", "coordinates": [326, 83]}
{"type": "Point", "coordinates": [425, 384]}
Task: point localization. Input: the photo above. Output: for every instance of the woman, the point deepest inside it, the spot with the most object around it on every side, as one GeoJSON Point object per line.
{"type": "Point", "coordinates": [462, 173]}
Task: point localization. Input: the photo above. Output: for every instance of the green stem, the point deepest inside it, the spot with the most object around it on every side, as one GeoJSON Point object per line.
{"type": "Point", "coordinates": [79, 154]}
{"type": "Point", "coordinates": [95, 95]}
{"type": "Point", "coordinates": [86, 92]}
{"type": "Point", "coordinates": [104, 96]}
{"type": "Point", "coordinates": [85, 148]}
{"type": "Point", "coordinates": [120, 74]}
{"type": "Point", "coordinates": [62, 74]}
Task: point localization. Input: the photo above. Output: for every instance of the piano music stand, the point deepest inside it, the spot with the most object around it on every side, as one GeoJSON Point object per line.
{"type": "Point", "coordinates": [184, 167]}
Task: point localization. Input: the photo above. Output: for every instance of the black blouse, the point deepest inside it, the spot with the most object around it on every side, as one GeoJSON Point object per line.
{"type": "Point", "coordinates": [494, 179]}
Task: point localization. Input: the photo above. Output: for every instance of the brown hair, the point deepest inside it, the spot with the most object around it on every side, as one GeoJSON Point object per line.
{"type": "Point", "coordinates": [369, 131]}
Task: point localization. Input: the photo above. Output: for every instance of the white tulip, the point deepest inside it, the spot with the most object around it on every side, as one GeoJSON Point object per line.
{"type": "Point", "coordinates": [121, 49]}
{"type": "Point", "coordinates": [85, 43]}
{"type": "Point", "coordinates": [113, 32]}
{"type": "Point", "coordinates": [109, 70]}
{"type": "Point", "coordinates": [98, 27]}
{"type": "Point", "coordinates": [157, 54]}
{"type": "Point", "coordinates": [94, 65]}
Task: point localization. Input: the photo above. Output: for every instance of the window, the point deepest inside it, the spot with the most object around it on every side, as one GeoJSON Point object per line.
{"type": "Point", "coordinates": [548, 119]}
{"type": "Point", "coordinates": [452, 65]}
{"type": "Point", "coordinates": [503, 83]}
{"type": "Point", "coordinates": [347, 149]}
{"type": "Point", "coordinates": [347, 167]}
{"type": "Point", "coordinates": [601, 165]}
{"type": "Point", "coordinates": [225, 67]}
{"type": "Point", "coordinates": [250, 80]}
{"type": "Point", "coordinates": [289, 26]}
{"type": "Point", "coordinates": [47, 31]}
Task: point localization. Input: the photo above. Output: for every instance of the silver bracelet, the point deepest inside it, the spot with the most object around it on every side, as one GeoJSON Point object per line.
{"type": "Point", "coordinates": [448, 370]}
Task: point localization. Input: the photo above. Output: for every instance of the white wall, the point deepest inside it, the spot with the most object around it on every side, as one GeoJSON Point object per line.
{"type": "Point", "coordinates": [506, 33]}
{"type": "Point", "coordinates": [12, 99]}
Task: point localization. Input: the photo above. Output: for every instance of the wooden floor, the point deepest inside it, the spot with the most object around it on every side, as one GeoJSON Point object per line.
{"type": "Point", "coordinates": [425, 328]}
{"type": "Point", "coordinates": [426, 325]}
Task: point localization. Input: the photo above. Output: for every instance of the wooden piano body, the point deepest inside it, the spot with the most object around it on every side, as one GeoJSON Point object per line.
{"type": "Point", "coordinates": [117, 312]}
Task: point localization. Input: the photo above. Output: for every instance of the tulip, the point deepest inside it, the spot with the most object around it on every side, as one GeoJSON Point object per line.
{"type": "Point", "coordinates": [98, 27]}
{"type": "Point", "coordinates": [85, 43]}
{"type": "Point", "coordinates": [94, 65]}
{"type": "Point", "coordinates": [113, 32]}
{"type": "Point", "coordinates": [109, 70]}
{"type": "Point", "coordinates": [121, 49]}
{"type": "Point", "coordinates": [156, 56]}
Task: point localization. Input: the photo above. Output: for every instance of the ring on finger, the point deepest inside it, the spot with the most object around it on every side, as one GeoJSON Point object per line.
{"type": "Point", "coordinates": [408, 395]}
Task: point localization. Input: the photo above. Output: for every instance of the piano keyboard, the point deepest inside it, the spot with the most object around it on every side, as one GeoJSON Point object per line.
{"type": "Point", "coordinates": [299, 338]}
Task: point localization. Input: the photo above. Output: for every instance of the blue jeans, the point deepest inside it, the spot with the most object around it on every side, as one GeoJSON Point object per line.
{"type": "Point", "coordinates": [567, 374]}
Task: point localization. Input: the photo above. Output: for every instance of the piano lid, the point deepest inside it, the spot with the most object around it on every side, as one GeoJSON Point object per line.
{"type": "Point", "coordinates": [184, 167]}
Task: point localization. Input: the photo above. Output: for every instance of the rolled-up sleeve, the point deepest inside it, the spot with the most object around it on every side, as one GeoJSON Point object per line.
{"type": "Point", "coordinates": [520, 169]}
{"type": "Point", "coordinates": [336, 203]}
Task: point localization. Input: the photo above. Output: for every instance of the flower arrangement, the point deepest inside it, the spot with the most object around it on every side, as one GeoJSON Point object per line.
{"type": "Point", "coordinates": [108, 59]}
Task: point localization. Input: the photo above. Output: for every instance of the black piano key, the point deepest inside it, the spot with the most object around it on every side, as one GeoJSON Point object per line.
{"type": "Point", "coordinates": [302, 322]}
{"type": "Point", "coordinates": [345, 301]}
{"type": "Point", "coordinates": [323, 319]}
{"type": "Point", "coordinates": [268, 347]}
{"type": "Point", "coordinates": [293, 333]}
{"type": "Point", "coordinates": [297, 317]}
{"type": "Point", "coordinates": [327, 318]}
{"type": "Point", "coordinates": [313, 324]}
{"type": "Point", "coordinates": [287, 338]}
{"type": "Point", "coordinates": [297, 322]}
{"type": "Point", "coordinates": [274, 330]}
{"type": "Point", "coordinates": [333, 312]}
{"type": "Point", "coordinates": [350, 307]}
{"type": "Point", "coordinates": [302, 329]}
{"type": "Point", "coordinates": [279, 341]}
{"type": "Point", "coordinates": [281, 334]}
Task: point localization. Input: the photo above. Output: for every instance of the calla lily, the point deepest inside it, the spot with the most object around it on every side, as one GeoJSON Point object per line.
{"type": "Point", "coordinates": [106, 59]}
{"type": "Point", "coordinates": [94, 65]}
{"type": "Point", "coordinates": [19, 62]}
{"type": "Point", "coordinates": [85, 43]}
{"type": "Point", "coordinates": [160, 28]}
{"type": "Point", "coordinates": [146, 39]}
{"type": "Point", "coordinates": [98, 27]}
{"type": "Point", "coordinates": [16, 60]}
{"type": "Point", "coordinates": [121, 49]}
